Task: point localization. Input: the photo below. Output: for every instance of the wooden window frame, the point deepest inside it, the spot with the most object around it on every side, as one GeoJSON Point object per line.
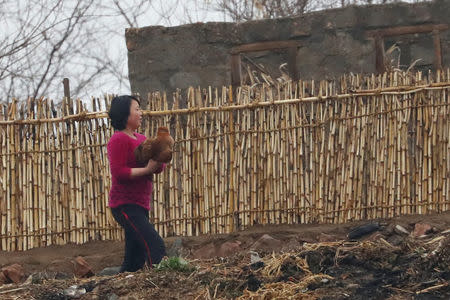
{"type": "Point", "coordinates": [379, 34]}
{"type": "Point", "coordinates": [291, 47]}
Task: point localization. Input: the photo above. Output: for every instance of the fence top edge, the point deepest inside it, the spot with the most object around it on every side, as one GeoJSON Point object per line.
{"type": "Point", "coordinates": [399, 90]}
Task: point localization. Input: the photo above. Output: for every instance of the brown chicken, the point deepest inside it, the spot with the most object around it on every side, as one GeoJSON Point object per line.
{"type": "Point", "coordinates": [159, 149]}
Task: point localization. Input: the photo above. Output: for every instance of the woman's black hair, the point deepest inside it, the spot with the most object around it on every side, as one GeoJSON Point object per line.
{"type": "Point", "coordinates": [120, 110]}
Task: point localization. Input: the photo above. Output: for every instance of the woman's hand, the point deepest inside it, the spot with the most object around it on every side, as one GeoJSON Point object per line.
{"type": "Point", "coordinates": [153, 166]}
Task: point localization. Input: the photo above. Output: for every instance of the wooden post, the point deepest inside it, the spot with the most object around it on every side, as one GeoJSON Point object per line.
{"type": "Point", "coordinates": [403, 30]}
{"type": "Point", "coordinates": [437, 50]}
{"type": "Point", "coordinates": [379, 54]}
{"type": "Point", "coordinates": [66, 88]}
{"type": "Point", "coordinates": [292, 63]}
{"type": "Point", "coordinates": [235, 70]}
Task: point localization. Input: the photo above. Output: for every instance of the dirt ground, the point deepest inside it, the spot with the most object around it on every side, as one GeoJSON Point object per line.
{"type": "Point", "coordinates": [296, 262]}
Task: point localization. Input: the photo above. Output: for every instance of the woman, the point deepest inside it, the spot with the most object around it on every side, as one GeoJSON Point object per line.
{"type": "Point", "coordinates": [131, 189]}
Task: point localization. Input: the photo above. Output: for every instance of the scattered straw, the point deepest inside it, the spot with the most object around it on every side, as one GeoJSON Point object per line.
{"type": "Point", "coordinates": [275, 262]}
{"type": "Point", "coordinates": [286, 290]}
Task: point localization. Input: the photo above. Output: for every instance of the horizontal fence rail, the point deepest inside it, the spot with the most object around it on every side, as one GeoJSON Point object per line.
{"type": "Point", "coordinates": [357, 148]}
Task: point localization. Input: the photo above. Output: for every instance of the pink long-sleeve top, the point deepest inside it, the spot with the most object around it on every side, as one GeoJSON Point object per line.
{"type": "Point", "coordinates": [124, 189]}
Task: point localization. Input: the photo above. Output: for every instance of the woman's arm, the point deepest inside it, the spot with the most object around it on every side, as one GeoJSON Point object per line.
{"type": "Point", "coordinates": [151, 167]}
{"type": "Point", "coordinates": [117, 154]}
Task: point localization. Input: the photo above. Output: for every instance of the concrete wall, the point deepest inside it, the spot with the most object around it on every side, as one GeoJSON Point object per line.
{"type": "Point", "coordinates": [332, 42]}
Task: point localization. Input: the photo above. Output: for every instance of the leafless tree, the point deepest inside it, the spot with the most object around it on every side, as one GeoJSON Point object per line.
{"type": "Point", "coordinates": [37, 43]}
{"type": "Point", "coordinates": [42, 42]}
{"type": "Point", "coordinates": [245, 10]}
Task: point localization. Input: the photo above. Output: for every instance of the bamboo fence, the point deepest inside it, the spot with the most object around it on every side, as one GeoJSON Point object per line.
{"type": "Point", "coordinates": [357, 148]}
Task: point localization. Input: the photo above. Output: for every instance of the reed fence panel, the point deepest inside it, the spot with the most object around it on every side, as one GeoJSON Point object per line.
{"type": "Point", "coordinates": [357, 148]}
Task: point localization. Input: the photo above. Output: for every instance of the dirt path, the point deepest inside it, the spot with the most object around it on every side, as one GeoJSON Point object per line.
{"type": "Point", "coordinates": [101, 254]}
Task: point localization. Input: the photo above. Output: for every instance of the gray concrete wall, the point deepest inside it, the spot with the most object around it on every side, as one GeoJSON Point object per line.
{"type": "Point", "coordinates": [332, 42]}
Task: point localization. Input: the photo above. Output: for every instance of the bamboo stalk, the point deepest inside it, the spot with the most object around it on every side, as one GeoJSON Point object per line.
{"type": "Point", "coordinates": [11, 198]}
{"type": "Point", "coordinates": [41, 179]}
{"type": "Point", "coordinates": [20, 179]}
{"type": "Point", "coordinates": [216, 172]}
{"type": "Point", "coordinates": [222, 163]}
{"type": "Point", "coordinates": [4, 178]}
{"type": "Point", "coordinates": [47, 166]}
{"type": "Point", "coordinates": [231, 205]}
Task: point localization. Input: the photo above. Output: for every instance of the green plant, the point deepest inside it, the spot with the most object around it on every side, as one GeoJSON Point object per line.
{"type": "Point", "coordinates": [175, 263]}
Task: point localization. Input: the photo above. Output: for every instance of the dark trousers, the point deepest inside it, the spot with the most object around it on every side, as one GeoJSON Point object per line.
{"type": "Point", "coordinates": [142, 241]}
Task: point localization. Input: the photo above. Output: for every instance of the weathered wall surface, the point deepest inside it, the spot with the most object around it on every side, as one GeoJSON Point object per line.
{"type": "Point", "coordinates": [331, 43]}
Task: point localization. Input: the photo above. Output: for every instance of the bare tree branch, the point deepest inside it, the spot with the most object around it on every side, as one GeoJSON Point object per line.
{"type": "Point", "coordinates": [46, 41]}
{"type": "Point", "coordinates": [246, 10]}
{"type": "Point", "coordinates": [73, 21]}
